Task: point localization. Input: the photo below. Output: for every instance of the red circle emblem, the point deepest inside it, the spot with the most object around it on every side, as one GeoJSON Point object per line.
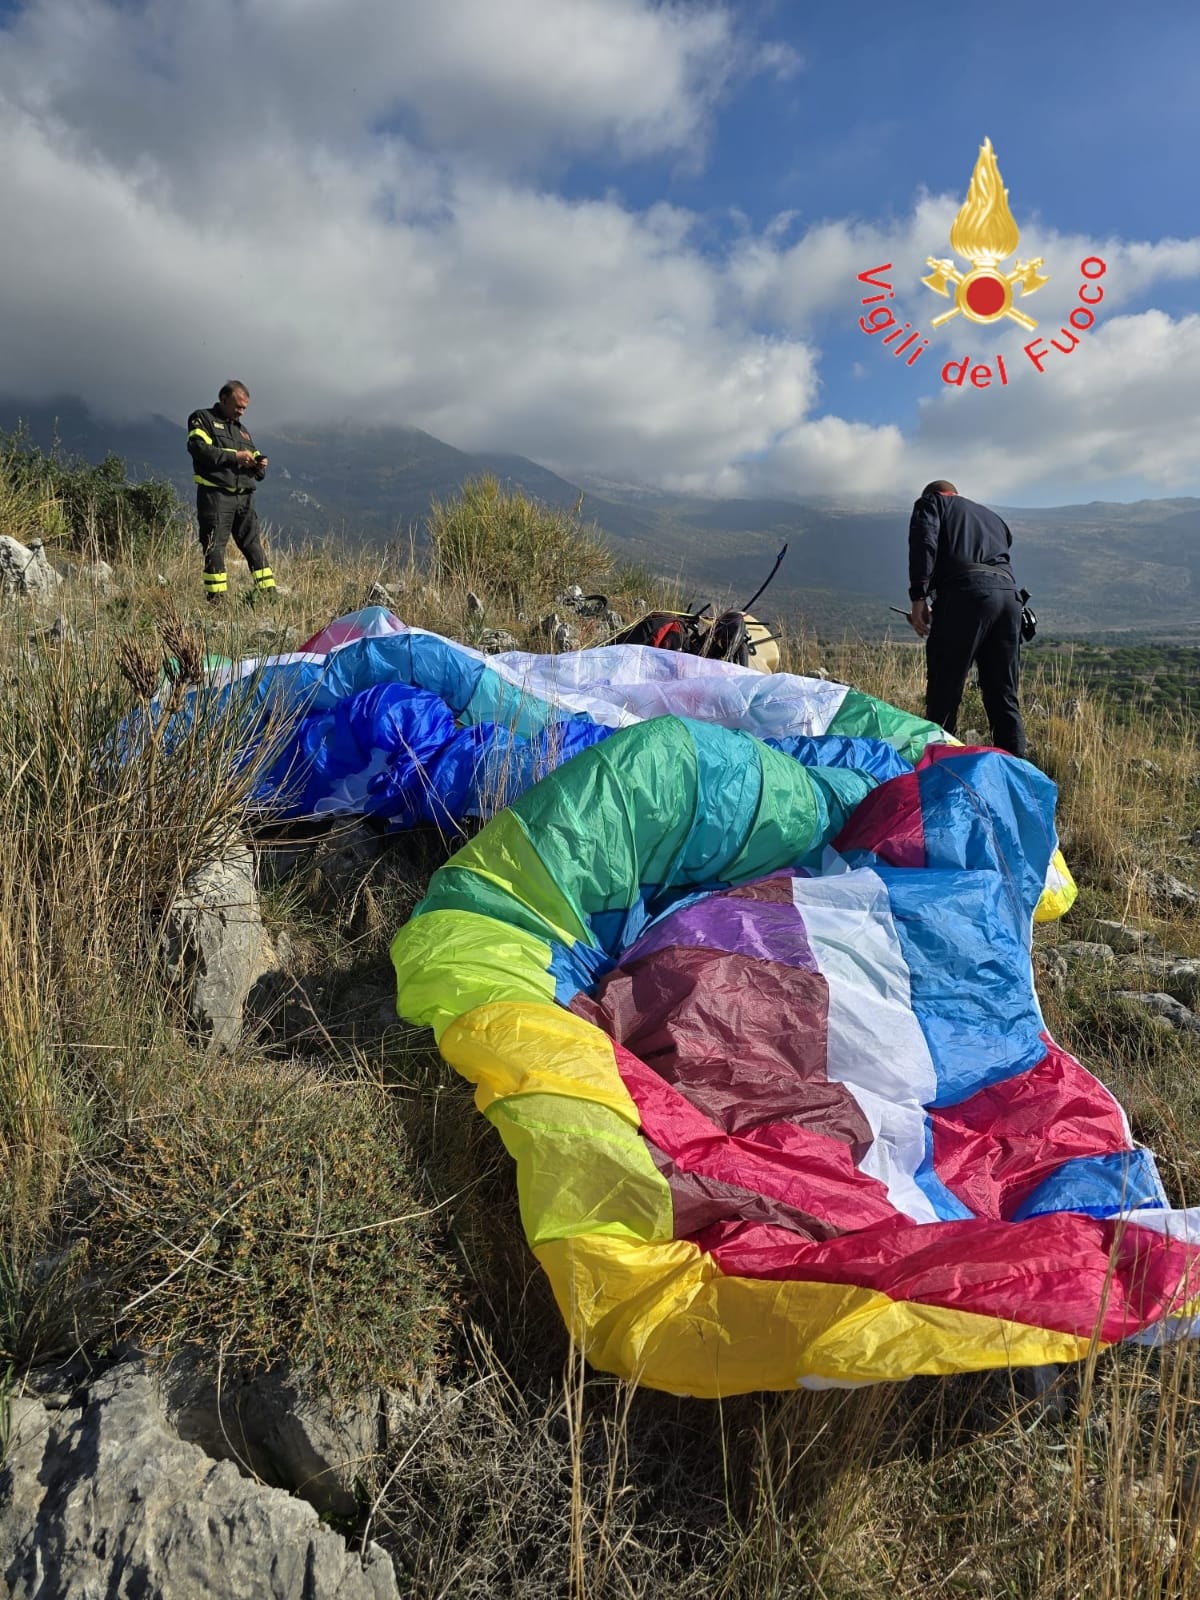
{"type": "Point", "coordinates": [985, 296]}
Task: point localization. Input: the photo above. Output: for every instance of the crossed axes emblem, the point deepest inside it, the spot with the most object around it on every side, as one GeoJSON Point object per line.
{"type": "Point", "coordinates": [1024, 274]}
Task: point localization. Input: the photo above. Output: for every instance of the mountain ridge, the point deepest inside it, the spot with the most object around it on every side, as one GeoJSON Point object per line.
{"type": "Point", "coordinates": [1101, 566]}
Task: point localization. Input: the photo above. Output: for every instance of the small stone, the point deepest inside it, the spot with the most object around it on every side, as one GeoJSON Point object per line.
{"type": "Point", "coordinates": [1121, 936]}
{"type": "Point", "coordinates": [495, 641]}
{"type": "Point", "coordinates": [1163, 1008]}
{"type": "Point", "coordinates": [1051, 969]}
{"type": "Point", "coordinates": [1081, 952]}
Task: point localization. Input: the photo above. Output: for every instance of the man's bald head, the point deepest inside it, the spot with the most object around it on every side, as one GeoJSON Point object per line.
{"type": "Point", "coordinates": [939, 486]}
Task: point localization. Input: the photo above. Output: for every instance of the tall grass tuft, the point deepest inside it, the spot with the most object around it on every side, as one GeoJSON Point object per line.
{"type": "Point", "coordinates": [511, 550]}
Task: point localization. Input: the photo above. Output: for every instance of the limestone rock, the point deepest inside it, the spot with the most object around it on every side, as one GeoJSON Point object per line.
{"type": "Point", "coordinates": [1121, 936]}
{"type": "Point", "coordinates": [1183, 982]}
{"type": "Point", "coordinates": [1050, 967]}
{"type": "Point", "coordinates": [26, 571]}
{"type": "Point", "coordinates": [214, 946]}
{"type": "Point", "coordinates": [1172, 892]}
{"type": "Point", "coordinates": [97, 575]}
{"type": "Point", "coordinates": [1164, 1007]}
{"type": "Point", "coordinates": [106, 1500]}
{"type": "Point", "coordinates": [282, 1430]}
{"type": "Point", "coordinates": [1084, 953]}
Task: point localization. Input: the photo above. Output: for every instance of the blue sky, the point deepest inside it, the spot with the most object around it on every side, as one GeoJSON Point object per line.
{"type": "Point", "coordinates": [619, 236]}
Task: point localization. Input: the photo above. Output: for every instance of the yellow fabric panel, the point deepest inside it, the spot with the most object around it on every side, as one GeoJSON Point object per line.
{"type": "Point", "coordinates": [581, 1169]}
{"type": "Point", "coordinates": [514, 1048]}
{"type": "Point", "coordinates": [1058, 896]}
{"type": "Point", "coordinates": [664, 1314]}
{"type": "Point", "coordinates": [448, 962]}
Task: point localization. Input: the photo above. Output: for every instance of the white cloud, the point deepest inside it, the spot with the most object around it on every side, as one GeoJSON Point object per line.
{"type": "Point", "coordinates": [1121, 405]}
{"type": "Point", "coordinates": [349, 204]}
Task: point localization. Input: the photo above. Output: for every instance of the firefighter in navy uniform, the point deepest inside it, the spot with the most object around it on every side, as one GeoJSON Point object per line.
{"type": "Point", "coordinates": [958, 552]}
{"type": "Point", "coordinates": [228, 469]}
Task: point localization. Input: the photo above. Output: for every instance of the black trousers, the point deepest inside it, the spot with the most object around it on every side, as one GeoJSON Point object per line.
{"type": "Point", "coordinates": [977, 622]}
{"type": "Point", "coordinates": [224, 516]}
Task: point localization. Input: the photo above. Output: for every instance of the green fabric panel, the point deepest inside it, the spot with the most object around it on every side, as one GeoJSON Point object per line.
{"type": "Point", "coordinates": [729, 791]}
{"type": "Point", "coordinates": [866, 718]}
{"type": "Point", "coordinates": [616, 815]}
{"type": "Point", "coordinates": [581, 1168]}
{"type": "Point", "coordinates": [448, 962]}
{"type": "Point", "coordinates": [482, 876]}
{"type": "Point", "coordinates": [802, 810]}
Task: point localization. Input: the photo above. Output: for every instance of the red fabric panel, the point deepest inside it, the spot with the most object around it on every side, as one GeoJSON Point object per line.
{"type": "Point", "coordinates": [942, 752]}
{"type": "Point", "coordinates": [1050, 1272]}
{"type": "Point", "coordinates": [808, 1171]}
{"type": "Point", "coordinates": [697, 1202]}
{"type": "Point", "coordinates": [995, 1148]}
{"type": "Point", "coordinates": [744, 1039]}
{"type": "Point", "coordinates": [889, 822]}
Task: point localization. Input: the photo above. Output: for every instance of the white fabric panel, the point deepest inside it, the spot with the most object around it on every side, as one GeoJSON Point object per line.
{"type": "Point", "coordinates": [618, 684]}
{"type": "Point", "coordinates": [876, 1046]}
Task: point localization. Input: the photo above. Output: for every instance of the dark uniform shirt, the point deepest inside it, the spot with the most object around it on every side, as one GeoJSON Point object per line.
{"type": "Point", "coordinates": [949, 535]}
{"type": "Point", "coordinates": [213, 441]}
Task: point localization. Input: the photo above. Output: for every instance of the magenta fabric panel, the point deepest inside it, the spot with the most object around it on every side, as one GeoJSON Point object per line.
{"type": "Point", "coordinates": [994, 1149]}
{"type": "Point", "coordinates": [810, 1172]}
{"type": "Point", "coordinates": [889, 822]}
{"type": "Point", "coordinates": [1066, 1280]}
{"type": "Point", "coordinates": [698, 1202]}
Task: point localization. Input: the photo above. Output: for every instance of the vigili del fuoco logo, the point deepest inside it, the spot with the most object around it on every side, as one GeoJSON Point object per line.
{"type": "Point", "coordinates": [984, 234]}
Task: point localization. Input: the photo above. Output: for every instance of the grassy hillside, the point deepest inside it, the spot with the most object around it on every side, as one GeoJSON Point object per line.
{"type": "Point", "coordinates": [330, 1197]}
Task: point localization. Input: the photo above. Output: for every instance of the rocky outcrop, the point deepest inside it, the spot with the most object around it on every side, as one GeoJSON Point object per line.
{"type": "Point", "coordinates": [103, 1498]}
{"type": "Point", "coordinates": [214, 946]}
{"type": "Point", "coordinates": [25, 571]}
{"type": "Point", "coordinates": [280, 1429]}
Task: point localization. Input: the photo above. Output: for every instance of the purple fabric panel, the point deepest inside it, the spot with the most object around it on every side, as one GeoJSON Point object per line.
{"type": "Point", "coordinates": [766, 926]}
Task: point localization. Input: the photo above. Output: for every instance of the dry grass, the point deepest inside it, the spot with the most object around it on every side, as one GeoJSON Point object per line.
{"type": "Point", "coordinates": [252, 1208]}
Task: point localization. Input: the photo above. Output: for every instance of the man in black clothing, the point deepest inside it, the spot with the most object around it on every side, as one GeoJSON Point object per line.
{"type": "Point", "coordinates": [958, 556]}
{"type": "Point", "coordinates": [227, 469]}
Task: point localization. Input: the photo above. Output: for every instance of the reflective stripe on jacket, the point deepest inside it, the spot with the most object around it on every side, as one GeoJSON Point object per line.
{"type": "Point", "coordinates": [212, 443]}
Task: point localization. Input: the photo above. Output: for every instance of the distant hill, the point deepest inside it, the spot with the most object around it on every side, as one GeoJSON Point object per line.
{"type": "Point", "coordinates": [1097, 568]}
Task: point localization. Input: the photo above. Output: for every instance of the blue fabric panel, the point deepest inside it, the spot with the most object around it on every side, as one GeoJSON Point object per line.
{"type": "Point", "coordinates": [989, 811]}
{"type": "Point", "coordinates": [969, 971]}
{"type": "Point", "coordinates": [1101, 1186]}
{"type": "Point", "coordinates": [840, 750]}
{"type": "Point", "coordinates": [576, 970]}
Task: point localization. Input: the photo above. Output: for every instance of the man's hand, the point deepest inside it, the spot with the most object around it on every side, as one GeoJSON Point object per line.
{"type": "Point", "coordinates": [261, 461]}
{"type": "Point", "coordinates": [919, 618]}
{"type": "Point", "coordinates": [244, 458]}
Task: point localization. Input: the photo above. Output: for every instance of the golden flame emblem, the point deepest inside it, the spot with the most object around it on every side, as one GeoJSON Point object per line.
{"type": "Point", "coordinates": [984, 232]}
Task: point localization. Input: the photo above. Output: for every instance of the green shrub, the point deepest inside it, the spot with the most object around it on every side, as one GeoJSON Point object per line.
{"type": "Point", "coordinates": [93, 510]}
{"type": "Point", "coordinates": [510, 548]}
{"type": "Point", "coordinates": [271, 1214]}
